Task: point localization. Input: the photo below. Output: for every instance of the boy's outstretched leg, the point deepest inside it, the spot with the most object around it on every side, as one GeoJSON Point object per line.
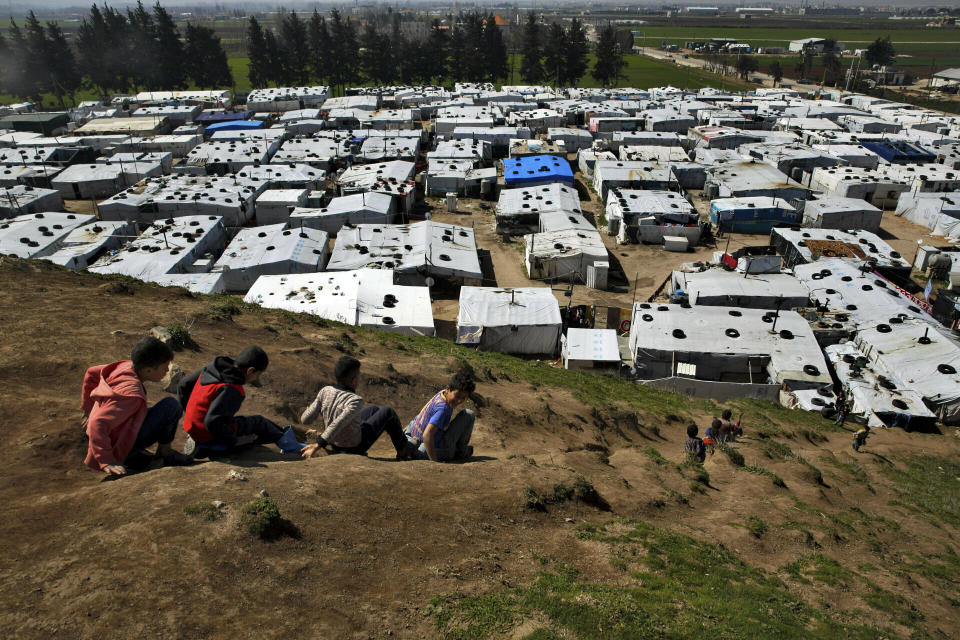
{"type": "Point", "coordinates": [159, 428]}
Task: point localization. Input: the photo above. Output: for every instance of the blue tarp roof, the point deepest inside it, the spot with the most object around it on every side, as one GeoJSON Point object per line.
{"type": "Point", "coordinates": [900, 151]}
{"type": "Point", "coordinates": [234, 125]}
{"type": "Point", "coordinates": [536, 169]}
{"type": "Point", "coordinates": [223, 116]}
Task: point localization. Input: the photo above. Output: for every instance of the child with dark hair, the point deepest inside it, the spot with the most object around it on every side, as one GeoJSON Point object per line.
{"type": "Point", "coordinates": [118, 421]}
{"type": "Point", "coordinates": [439, 436]}
{"type": "Point", "coordinates": [694, 446]}
{"type": "Point", "coordinates": [711, 435]}
{"type": "Point", "coordinates": [734, 430]}
{"type": "Point", "coordinates": [211, 398]}
{"type": "Point", "coordinates": [351, 427]}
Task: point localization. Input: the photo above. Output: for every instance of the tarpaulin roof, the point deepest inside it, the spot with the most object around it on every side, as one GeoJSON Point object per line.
{"type": "Point", "coordinates": [234, 125]}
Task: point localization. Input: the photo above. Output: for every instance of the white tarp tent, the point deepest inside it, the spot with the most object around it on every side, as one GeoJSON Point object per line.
{"type": "Point", "coordinates": [718, 288]}
{"type": "Point", "coordinates": [915, 355]}
{"type": "Point", "coordinates": [588, 349]}
{"type": "Point", "coordinates": [366, 297]}
{"type": "Point", "coordinates": [82, 245]}
{"type": "Point", "coordinates": [835, 212]}
{"type": "Point", "coordinates": [726, 344]}
{"type": "Point", "coordinates": [564, 255]}
{"type": "Point", "coordinates": [166, 247]}
{"type": "Point", "coordinates": [358, 208]}
{"type": "Point", "coordinates": [413, 252]}
{"type": "Point", "coordinates": [939, 212]}
{"type": "Point", "coordinates": [36, 234]}
{"type": "Point", "coordinates": [271, 250]}
{"type": "Point", "coordinates": [873, 397]}
{"type": "Point", "coordinates": [525, 320]}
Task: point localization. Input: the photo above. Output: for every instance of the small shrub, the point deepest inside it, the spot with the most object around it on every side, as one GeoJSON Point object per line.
{"type": "Point", "coordinates": [696, 487]}
{"type": "Point", "coordinates": [562, 493]}
{"type": "Point", "coordinates": [261, 518]}
{"type": "Point", "coordinates": [533, 501]}
{"type": "Point", "coordinates": [180, 337]}
{"type": "Point", "coordinates": [735, 456]}
{"type": "Point", "coordinates": [225, 309]}
{"type": "Point", "coordinates": [756, 526]}
{"type": "Point", "coordinates": [207, 510]}
{"type": "Point", "coordinates": [585, 492]}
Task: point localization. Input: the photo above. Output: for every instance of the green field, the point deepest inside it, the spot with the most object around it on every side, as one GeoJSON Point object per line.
{"type": "Point", "coordinates": [904, 40]}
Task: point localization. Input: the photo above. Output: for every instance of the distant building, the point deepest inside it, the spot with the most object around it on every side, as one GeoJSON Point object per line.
{"type": "Point", "coordinates": [813, 45]}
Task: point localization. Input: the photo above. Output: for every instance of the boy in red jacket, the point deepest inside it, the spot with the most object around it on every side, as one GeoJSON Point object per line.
{"type": "Point", "coordinates": [119, 424]}
{"type": "Point", "coordinates": [211, 398]}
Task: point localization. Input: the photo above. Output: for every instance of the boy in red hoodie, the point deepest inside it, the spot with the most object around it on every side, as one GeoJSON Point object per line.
{"type": "Point", "coordinates": [119, 423]}
{"type": "Point", "coordinates": [211, 398]}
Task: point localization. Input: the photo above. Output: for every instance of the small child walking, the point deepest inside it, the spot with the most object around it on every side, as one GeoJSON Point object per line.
{"type": "Point", "coordinates": [860, 438]}
{"type": "Point", "coordinates": [694, 446]}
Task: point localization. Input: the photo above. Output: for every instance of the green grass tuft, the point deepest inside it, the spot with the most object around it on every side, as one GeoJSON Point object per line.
{"type": "Point", "coordinates": [261, 518]}
{"type": "Point", "coordinates": [756, 526]}
{"type": "Point", "coordinates": [206, 510]}
{"type": "Point", "coordinates": [930, 486]}
{"type": "Point", "coordinates": [735, 456]}
{"type": "Point", "coordinates": [760, 471]}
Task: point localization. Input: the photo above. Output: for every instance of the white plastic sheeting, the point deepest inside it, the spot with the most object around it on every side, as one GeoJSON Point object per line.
{"type": "Point", "coordinates": [875, 400]}
{"type": "Point", "coordinates": [866, 299]}
{"type": "Point", "coordinates": [585, 348]}
{"type": "Point", "coordinates": [412, 251]}
{"type": "Point", "coordinates": [271, 250]}
{"type": "Point", "coordinates": [793, 244]}
{"type": "Point", "coordinates": [842, 213]}
{"type": "Point", "coordinates": [230, 197]}
{"type": "Point", "coordinates": [166, 247]}
{"type": "Point", "coordinates": [193, 282]}
{"type": "Point", "coordinates": [37, 234]}
{"type": "Point", "coordinates": [525, 320]}
{"type": "Point", "coordinates": [563, 255]}
{"type": "Point", "coordinates": [366, 297]}
{"type": "Point", "coordinates": [358, 208]}
{"type": "Point", "coordinates": [724, 343]}
{"type": "Point", "coordinates": [719, 288]}
{"type": "Point", "coordinates": [939, 212]}
{"type": "Point", "coordinates": [79, 247]}
{"type": "Point", "coordinates": [915, 355]}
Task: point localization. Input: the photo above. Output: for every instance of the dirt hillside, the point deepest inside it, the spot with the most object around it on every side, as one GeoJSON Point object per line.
{"type": "Point", "coordinates": [575, 519]}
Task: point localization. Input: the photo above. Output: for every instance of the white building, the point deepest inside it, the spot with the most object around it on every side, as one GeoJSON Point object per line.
{"type": "Point", "coordinates": [520, 208]}
{"type": "Point", "coordinates": [19, 200]}
{"type": "Point", "coordinates": [566, 255]}
{"type": "Point", "coordinates": [834, 212]}
{"type": "Point", "coordinates": [79, 248]}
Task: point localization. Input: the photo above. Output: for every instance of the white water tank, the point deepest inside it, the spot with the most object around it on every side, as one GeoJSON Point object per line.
{"type": "Point", "coordinates": [451, 201]}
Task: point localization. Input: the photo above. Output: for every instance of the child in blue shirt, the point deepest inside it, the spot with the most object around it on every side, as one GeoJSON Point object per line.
{"type": "Point", "coordinates": [439, 436]}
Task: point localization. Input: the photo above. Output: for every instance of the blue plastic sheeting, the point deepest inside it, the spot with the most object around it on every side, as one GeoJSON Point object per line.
{"type": "Point", "coordinates": [751, 219]}
{"type": "Point", "coordinates": [234, 125]}
{"type": "Point", "coordinates": [223, 116]}
{"type": "Point", "coordinates": [900, 152]}
{"type": "Point", "coordinates": [536, 170]}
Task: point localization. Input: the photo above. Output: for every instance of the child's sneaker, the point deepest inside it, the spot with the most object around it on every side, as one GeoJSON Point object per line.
{"type": "Point", "coordinates": [288, 441]}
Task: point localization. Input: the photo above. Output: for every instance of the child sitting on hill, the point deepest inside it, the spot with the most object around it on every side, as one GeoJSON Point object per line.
{"type": "Point", "coordinates": [694, 446]}
{"type": "Point", "coordinates": [351, 427]}
{"type": "Point", "coordinates": [211, 398]}
{"type": "Point", "coordinates": [437, 436]}
{"type": "Point", "coordinates": [119, 424]}
{"type": "Point", "coordinates": [711, 435]}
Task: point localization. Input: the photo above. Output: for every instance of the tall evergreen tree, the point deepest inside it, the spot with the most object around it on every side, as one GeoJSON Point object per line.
{"type": "Point", "coordinates": [116, 51]}
{"type": "Point", "coordinates": [608, 68]}
{"type": "Point", "coordinates": [5, 64]}
{"type": "Point", "coordinates": [169, 61]}
{"type": "Point", "coordinates": [474, 65]}
{"type": "Point", "coordinates": [142, 48]}
{"type": "Point", "coordinates": [344, 50]}
{"type": "Point", "coordinates": [274, 68]}
{"type": "Point", "coordinates": [576, 53]}
{"type": "Point", "coordinates": [64, 75]}
{"type": "Point", "coordinates": [296, 46]}
{"type": "Point", "coordinates": [36, 76]}
{"type": "Point", "coordinates": [207, 61]}
{"type": "Point", "coordinates": [438, 45]}
{"type": "Point", "coordinates": [458, 53]}
{"type": "Point", "coordinates": [531, 52]}
{"type": "Point", "coordinates": [375, 56]}
{"type": "Point", "coordinates": [496, 50]}
{"type": "Point", "coordinates": [555, 54]}
{"type": "Point", "coordinates": [319, 40]}
{"type": "Point", "coordinates": [258, 71]}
